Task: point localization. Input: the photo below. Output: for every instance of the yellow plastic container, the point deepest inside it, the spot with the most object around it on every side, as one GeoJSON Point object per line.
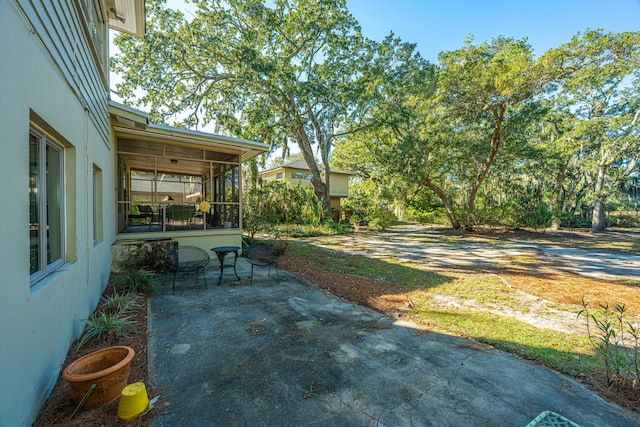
{"type": "Point", "coordinates": [133, 401]}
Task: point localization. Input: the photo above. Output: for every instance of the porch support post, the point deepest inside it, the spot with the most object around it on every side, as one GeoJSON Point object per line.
{"type": "Point", "coordinates": [239, 194]}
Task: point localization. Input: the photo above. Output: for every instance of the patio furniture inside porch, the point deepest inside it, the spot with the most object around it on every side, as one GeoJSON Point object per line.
{"type": "Point", "coordinates": [182, 215]}
{"type": "Point", "coordinates": [145, 213]}
{"type": "Point", "coordinates": [158, 217]}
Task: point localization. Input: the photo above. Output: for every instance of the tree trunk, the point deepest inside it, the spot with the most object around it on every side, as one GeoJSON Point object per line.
{"type": "Point", "coordinates": [325, 175]}
{"type": "Point", "coordinates": [448, 207]}
{"type": "Point", "coordinates": [558, 200]}
{"type": "Point", "coordinates": [324, 144]}
{"type": "Point", "coordinates": [319, 178]}
{"type": "Point", "coordinates": [599, 218]}
{"type": "Point", "coordinates": [254, 173]}
{"type": "Point", "coordinates": [399, 208]}
{"type": "Point", "coordinates": [496, 142]}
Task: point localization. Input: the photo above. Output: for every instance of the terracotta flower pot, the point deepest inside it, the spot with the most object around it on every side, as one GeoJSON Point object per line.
{"type": "Point", "coordinates": [108, 369]}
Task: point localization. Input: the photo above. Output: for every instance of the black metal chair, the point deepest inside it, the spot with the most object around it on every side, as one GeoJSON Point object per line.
{"type": "Point", "coordinates": [186, 259]}
{"type": "Point", "coordinates": [261, 254]}
{"type": "Point", "coordinates": [145, 212]}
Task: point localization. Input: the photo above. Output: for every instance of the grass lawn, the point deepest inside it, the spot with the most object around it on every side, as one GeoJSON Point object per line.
{"type": "Point", "coordinates": [479, 305]}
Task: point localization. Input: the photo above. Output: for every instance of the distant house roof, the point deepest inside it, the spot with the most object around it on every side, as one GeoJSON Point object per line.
{"type": "Point", "coordinates": [301, 164]}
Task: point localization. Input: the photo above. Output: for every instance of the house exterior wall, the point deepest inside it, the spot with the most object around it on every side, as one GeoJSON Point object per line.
{"type": "Point", "coordinates": [334, 204]}
{"type": "Point", "coordinates": [269, 175]}
{"type": "Point", "coordinates": [232, 237]}
{"type": "Point", "coordinates": [339, 185]}
{"type": "Point", "coordinates": [338, 182]}
{"type": "Point", "coordinates": [60, 93]}
{"type": "Point", "coordinates": [120, 250]}
{"type": "Point", "coordinates": [60, 27]}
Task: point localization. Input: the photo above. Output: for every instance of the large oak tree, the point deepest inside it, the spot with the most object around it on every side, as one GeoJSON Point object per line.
{"type": "Point", "coordinates": [600, 90]}
{"type": "Point", "coordinates": [275, 71]}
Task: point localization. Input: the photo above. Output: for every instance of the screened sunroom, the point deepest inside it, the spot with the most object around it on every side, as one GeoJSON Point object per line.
{"type": "Point", "coordinates": [174, 182]}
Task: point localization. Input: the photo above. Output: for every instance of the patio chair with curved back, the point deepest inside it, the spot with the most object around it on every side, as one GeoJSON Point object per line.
{"type": "Point", "coordinates": [262, 254]}
{"type": "Point", "coordinates": [180, 213]}
{"type": "Point", "coordinates": [186, 259]}
{"type": "Point", "coordinates": [145, 212]}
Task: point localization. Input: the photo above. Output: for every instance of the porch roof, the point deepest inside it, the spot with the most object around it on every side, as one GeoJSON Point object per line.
{"type": "Point", "coordinates": [127, 16]}
{"type": "Point", "coordinates": [129, 123]}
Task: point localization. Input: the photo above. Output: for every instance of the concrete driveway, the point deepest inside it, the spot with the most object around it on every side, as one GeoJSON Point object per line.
{"type": "Point", "coordinates": [285, 353]}
{"type": "Point", "coordinates": [419, 243]}
{"type": "Point", "coordinates": [596, 264]}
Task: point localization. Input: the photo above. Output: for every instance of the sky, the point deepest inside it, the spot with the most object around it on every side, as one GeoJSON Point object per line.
{"type": "Point", "coordinates": [440, 25]}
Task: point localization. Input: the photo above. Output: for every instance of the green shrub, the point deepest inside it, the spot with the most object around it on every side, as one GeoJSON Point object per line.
{"type": "Point", "coordinates": [279, 202]}
{"type": "Point", "coordinates": [624, 219]}
{"type": "Point", "coordinates": [379, 219]}
{"type": "Point", "coordinates": [331, 227]}
{"type": "Point", "coordinates": [538, 216]}
{"type": "Point", "coordinates": [327, 228]}
{"type": "Point", "coordinates": [356, 221]}
{"type": "Point", "coordinates": [435, 216]}
{"type": "Point", "coordinates": [573, 220]}
{"type": "Point", "coordinates": [146, 257]}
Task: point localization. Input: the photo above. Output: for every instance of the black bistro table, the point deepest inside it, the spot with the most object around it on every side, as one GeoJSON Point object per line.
{"type": "Point", "coordinates": [221, 253]}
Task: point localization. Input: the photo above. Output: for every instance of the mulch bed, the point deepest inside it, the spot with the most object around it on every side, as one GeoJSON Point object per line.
{"type": "Point", "coordinates": [58, 409]}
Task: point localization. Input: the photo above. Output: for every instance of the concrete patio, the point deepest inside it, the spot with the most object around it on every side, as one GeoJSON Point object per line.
{"type": "Point", "coordinates": [285, 353]}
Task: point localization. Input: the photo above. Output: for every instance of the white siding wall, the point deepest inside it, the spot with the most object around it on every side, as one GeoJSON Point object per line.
{"type": "Point", "coordinates": [60, 28]}
{"type": "Point", "coordinates": [37, 324]}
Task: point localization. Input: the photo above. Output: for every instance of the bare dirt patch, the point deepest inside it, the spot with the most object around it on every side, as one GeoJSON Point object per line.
{"type": "Point", "coordinates": [571, 289]}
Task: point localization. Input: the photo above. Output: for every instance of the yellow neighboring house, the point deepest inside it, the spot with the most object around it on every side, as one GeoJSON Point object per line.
{"type": "Point", "coordinates": [299, 173]}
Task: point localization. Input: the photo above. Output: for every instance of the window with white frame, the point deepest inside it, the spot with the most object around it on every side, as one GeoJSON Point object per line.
{"type": "Point", "coordinates": [96, 26]}
{"type": "Point", "coordinates": [46, 207]}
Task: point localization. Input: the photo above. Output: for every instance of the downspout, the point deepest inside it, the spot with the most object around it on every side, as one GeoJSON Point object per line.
{"type": "Point", "coordinates": [88, 199]}
{"type": "Point", "coordinates": [240, 194]}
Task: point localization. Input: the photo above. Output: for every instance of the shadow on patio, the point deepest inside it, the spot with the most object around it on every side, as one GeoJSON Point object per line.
{"type": "Point", "coordinates": [284, 352]}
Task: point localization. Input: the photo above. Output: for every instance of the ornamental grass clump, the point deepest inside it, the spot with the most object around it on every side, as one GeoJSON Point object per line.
{"type": "Point", "coordinates": [139, 282]}
{"type": "Point", "coordinates": [119, 303]}
{"type": "Point", "coordinates": [106, 328]}
{"type": "Point", "coordinates": [113, 318]}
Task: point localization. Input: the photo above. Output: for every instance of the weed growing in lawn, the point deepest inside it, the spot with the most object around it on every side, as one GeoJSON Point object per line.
{"type": "Point", "coordinates": [615, 338]}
